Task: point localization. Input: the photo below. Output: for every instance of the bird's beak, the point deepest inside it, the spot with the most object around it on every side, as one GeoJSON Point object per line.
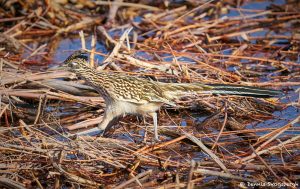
{"type": "Point", "coordinates": [64, 66]}
{"type": "Point", "coordinates": [59, 67]}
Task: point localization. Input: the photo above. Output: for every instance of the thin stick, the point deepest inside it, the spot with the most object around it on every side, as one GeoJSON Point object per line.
{"type": "Point", "coordinates": [208, 151]}
{"type": "Point", "coordinates": [190, 185]}
{"type": "Point", "coordinates": [4, 108]}
{"type": "Point", "coordinates": [82, 39]}
{"type": "Point", "coordinates": [39, 110]}
{"type": "Point", "coordinates": [224, 175]}
{"type": "Point", "coordinates": [133, 179]}
{"type": "Point", "coordinates": [92, 55]}
{"type": "Point", "coordinates": [223, 126]}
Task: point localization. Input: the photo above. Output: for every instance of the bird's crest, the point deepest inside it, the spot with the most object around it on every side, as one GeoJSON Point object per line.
{"type": "Point", "coordinates": [81, 54]}
{"type": "Point", "coordinates": [76, 59]}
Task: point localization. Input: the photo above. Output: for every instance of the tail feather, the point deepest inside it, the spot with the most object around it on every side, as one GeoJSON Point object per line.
{"type": "Point", "coordinates": [177, 90]}
{"type": "Point", "coordinates": [243, 91]}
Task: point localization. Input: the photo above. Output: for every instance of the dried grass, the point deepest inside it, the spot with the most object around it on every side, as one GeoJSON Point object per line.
{"type": "Point", "coordinates": [240, 141]}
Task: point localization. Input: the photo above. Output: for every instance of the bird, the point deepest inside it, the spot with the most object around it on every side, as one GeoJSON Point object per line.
{"type": "Point", "coordinates": [124, 94]}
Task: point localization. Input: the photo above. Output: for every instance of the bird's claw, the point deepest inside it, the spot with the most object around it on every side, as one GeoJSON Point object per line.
{"type": "Point", "coordinates": [156, 139]}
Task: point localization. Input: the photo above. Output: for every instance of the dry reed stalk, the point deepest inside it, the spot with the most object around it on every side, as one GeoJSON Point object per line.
{"type": "Point", "coordinates": [208, 151]}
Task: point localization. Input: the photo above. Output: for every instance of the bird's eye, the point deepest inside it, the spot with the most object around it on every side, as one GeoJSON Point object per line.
{"type": "Point", "coordinates": [73, 64]}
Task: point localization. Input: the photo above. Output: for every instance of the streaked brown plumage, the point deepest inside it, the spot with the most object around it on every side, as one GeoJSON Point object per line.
{"type": "Point", "coordinates": [125, 94]}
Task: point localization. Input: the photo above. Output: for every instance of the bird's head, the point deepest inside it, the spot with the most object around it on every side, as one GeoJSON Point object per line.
{"type": "Point", "coordinates": [76, 60]}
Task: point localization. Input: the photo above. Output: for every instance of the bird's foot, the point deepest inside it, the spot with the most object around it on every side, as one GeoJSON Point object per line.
{"type": "Point", "coordinates": [156, 139]}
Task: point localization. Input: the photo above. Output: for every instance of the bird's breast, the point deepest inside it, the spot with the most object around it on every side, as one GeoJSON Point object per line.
{"type": "Point", "coordinates": [134, 108]}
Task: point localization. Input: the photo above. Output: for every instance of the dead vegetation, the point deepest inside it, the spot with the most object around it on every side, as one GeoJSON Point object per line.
{"type": "Point", "coordinates": [227, 141]}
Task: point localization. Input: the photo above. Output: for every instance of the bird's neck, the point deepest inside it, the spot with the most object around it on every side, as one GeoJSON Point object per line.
{"type": "Point", "coordinates": [91, 75]}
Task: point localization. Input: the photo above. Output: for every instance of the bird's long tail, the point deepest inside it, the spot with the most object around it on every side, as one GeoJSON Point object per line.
{"type": "Point", "coordinates": [177, 90]}
{"type": "Point", "coordinates": [244, 91]}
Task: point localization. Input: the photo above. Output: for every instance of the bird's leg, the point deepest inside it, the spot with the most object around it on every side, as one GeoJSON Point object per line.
{"type": "Point", "coordinates": [110, 119]}
{"type": "Point", "coordinates": [146, 129]}
{"type": "Point", "coordinates": [154, 117]}
{"type": "Point", "coordinates": [109, 116]}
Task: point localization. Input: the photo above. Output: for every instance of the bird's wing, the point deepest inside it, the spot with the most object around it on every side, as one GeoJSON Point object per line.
{"type": "Point", "coordinates": [137, 90]}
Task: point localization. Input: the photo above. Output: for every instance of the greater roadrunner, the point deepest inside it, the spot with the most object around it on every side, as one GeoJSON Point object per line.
{"type": "Point", "coordinates": [125, 94]}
